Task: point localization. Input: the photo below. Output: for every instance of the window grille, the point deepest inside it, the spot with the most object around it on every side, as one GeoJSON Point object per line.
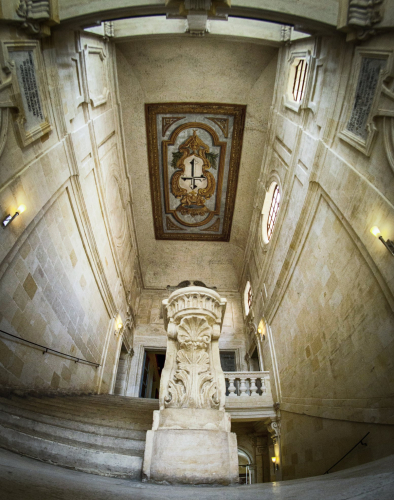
{"type": "Point", "coordinates": [299, 80]}
{"type": "Point", "coordinates": [250, 297]}
{"type": "Point", "coordinates": [273, 212]}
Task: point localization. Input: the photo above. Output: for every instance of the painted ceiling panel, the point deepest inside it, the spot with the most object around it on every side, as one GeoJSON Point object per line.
{"type": "Point", "coordinates": [194, 156]}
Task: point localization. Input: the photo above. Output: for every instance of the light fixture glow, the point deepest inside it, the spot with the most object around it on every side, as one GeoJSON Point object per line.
{"type": "Point", "coordinates": [275, 464]}
{"type": "Point", "coordinates": [375, 231]}
{"type": "Point", "coordinates": [260, 330]}
{"type": "Point", "coordinates": [10, 217]}
{"type": "Point", "coordinates": [387, 243]}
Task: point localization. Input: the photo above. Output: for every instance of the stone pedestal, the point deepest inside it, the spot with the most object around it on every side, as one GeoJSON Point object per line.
{"type": "Point", "coordinates": [190, 441]}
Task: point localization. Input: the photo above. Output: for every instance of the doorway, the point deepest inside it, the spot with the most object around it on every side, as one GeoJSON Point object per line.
{"type": "Point", "coordinates": [151, 373]}
{"type": "Point", "coordinates": [246, 472]}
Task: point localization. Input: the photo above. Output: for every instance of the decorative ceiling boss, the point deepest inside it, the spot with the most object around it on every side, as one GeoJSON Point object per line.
{"type": "Point", "coordinates": [194, 155]}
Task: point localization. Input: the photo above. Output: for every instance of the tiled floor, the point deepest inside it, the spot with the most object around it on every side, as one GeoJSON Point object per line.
{"type": "Point", "coordinates": [22, 478]}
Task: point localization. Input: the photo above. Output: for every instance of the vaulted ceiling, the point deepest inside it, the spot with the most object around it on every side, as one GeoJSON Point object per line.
{"type": "Point", "coordinates": [194, 70]}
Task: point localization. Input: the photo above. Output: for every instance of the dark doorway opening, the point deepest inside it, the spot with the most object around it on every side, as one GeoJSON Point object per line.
{"type": "Point", "coordinates": [254, 361]}
{"type": "Point", "coordinates": [228, 363]}
{"type": "Point", "coordinates": [151, 373]}
{"type": "Point", "coordinates": [227, 360]}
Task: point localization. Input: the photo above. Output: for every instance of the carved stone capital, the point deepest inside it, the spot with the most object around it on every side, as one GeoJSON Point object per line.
{"type": "Point", "coordinates": [198, 13]}
{"type": "Point", "coordinates": [37, 16]}
{"type": "Point", "coordinates": [360, 18]}
{"type": "Point", "coordinates": [274, 430]}
{"type": "Point", "coordinates": [194, 300]}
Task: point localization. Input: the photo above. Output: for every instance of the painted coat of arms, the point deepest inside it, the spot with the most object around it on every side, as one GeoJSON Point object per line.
{"type": "Point", "coordinates": [194, 155]}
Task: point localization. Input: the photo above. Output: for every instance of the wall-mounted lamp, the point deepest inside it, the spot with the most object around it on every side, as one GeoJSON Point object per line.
{"type": "Point", "coordinates": [276, 466]}
{"type": "Point", "coordinates": [10, 217]}
{"type": "Point", "coordinates": [118, 325]}
{"type": "Point", "coordinates": [387, 243]}
{"type": "Point", "coordinates": [260, 331]}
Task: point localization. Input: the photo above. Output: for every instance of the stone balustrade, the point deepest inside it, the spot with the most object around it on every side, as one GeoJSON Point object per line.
{"type": "Point", "coordinates": [248, 396]}
{"type": "Point", "coordinates": [247, 384]}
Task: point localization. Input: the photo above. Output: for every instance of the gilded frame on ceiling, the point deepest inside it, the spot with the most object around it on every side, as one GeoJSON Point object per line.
{"type": "Point", "coordinates": [194, 154]}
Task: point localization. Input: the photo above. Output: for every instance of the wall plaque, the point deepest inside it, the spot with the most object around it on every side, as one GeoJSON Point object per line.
{"type": "Point", "coordinates": [370, 69]}
{"type": "Point", "coordinates": [21, 60]}
{"type": "Point", "coordinates": [368, 78]}
{"type": "Point", "coordinates": [194, 155]}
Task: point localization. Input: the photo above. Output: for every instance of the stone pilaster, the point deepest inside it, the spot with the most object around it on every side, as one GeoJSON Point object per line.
{"type": "Point", "coordinates": [192, 397]}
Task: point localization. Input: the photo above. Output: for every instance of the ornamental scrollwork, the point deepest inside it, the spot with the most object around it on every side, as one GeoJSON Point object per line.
{"type": "Point", "coordinates": [274, 430]}
{"type": "Point", "coordinates": [192, 183]}
{"type": "Point", "coordinates": [36, 15]}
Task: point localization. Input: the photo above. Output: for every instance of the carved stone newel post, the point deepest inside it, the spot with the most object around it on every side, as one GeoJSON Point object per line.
{"type": "Point", "coordinates": [190, 441]}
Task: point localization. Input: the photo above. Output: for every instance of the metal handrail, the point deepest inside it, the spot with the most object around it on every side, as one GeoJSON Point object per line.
{"type": "Point", "coordinates": [49, 349]}
{"type": "Point", "coordinates": [360, 442]}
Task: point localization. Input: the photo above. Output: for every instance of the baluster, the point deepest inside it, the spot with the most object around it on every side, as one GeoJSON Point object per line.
{"type": "Point", "coordinates": [253, 386]}
{"type": "Point", "coordinates": [243, 387]}
{"type": "Point", "coordinates": [263, 387]}
{"type": "Point", "coordinates": [231, 387]}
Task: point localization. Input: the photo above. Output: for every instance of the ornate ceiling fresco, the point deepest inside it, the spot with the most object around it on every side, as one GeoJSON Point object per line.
{"type": "Point", "coordinates": [194, 153]}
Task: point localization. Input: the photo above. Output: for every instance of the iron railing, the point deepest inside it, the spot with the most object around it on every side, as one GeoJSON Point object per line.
{"type": "Point", "coordinates": [50, 350]}
{"type": "Point", "coordinates": [355, 446]}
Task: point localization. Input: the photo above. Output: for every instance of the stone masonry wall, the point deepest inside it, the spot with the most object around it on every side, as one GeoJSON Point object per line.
{"type": "Point", "coordinates": [323, 285]}
{"type": "Point", "coordinates": [68, 264]}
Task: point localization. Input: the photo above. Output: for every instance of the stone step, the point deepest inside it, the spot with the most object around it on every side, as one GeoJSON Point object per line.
{"type": "Point", "coordinates": [72, 457]}
{"type": "Point", "coordinates": [92, 403]}
{"type": "Point", "coordinates": [72, 437]}
{"type": "Point", "coordinates": [73, 424]}
{"type": "Point", "coordinates": [139, 416]}
{"type": "Point", "coordinates": [101, 434]}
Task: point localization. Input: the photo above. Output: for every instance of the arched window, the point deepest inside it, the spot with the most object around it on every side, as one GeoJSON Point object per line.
{"type": "Point", "coordinates": [248, 297]}
{"type": "Point", "coordinates": [270, 211]}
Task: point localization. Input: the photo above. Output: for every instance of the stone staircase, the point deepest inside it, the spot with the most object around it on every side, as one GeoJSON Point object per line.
{"type": "Point", "coordinates": [99, 434]}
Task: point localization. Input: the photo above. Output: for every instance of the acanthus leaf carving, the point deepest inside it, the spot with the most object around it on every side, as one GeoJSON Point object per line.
{"type": "Point", "coordinates": [193, 385]}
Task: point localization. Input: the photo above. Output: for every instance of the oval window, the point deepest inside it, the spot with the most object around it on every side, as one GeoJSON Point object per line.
{"type": "Point", "coordinates": [270, 211]}
{"type": "Point", "coordinates": [248, 298]}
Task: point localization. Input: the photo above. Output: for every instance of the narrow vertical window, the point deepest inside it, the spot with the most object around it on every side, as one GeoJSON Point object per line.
{"type": "Point", "coordinates": [297, 82]}
{"type": "Point", "coordinates": [301, 69]}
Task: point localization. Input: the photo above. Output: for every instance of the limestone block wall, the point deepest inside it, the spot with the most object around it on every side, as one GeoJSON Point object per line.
{"type": "Point", "coordinates": [150, 332]}
{"type": "Point", "coordinates": [323, 285]}
{"type": "Point", "coordinates": [68, 265]}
